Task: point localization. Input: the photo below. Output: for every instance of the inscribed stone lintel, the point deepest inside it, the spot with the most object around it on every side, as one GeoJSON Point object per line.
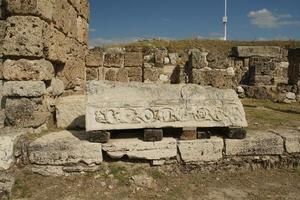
{"type": "Point", "coordinates": [117, 106]}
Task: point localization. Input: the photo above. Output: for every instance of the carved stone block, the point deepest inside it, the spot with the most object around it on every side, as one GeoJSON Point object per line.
{"type": "Point", "coordinates": [117, 106]}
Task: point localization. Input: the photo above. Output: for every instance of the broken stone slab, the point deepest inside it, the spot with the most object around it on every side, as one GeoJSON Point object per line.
{"type": "Point", "coordinates": [205, 150]}
{"type": "Point", "coordinates": [8, 139]}
{"type": "Point", "coordinates": [65, 148]}
{"type": "Point", "coordinates": [138, 149]}
{"type": "Point", "coordinates": [252, 51]}
{"type": "Point", "coordinates": [24, 88]}
{"type": "Point", "coordinates": [117, 106]}
{"type": "Point", "coordinates": [291, 140]}
{"type": "Point", "coordinates": [70, 112]}
{"type": "Point", "coordinates": [256, 143]}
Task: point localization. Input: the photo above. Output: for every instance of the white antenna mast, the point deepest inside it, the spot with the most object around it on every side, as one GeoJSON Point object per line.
{"type": "Point", "coordinates": [225, 20]}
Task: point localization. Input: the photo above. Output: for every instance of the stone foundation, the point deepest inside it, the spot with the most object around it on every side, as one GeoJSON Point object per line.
{"type": "Point", "coordinates": [64, 152]}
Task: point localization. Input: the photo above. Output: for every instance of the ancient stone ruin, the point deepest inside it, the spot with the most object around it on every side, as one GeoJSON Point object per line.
{"type": "Point", "coordinates": [49, 79]}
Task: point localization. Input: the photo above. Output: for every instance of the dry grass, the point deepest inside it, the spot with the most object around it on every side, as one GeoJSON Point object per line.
{"type": "Point", "coordinates": [210, 45]}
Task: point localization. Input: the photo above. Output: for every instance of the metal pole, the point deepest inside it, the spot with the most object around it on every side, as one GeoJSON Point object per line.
{"type": "Point", "coordinates": [225, 20]}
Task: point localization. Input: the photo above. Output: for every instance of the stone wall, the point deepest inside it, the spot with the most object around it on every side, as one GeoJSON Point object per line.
{"type": "Point", "coordinates": [157, 65]}
{"type": "Point", "coordinates": [254, 71]}
{"type": "Point", "coordinates": [294, 69]}
{"type": "Point", "coordinates": [42, 56]}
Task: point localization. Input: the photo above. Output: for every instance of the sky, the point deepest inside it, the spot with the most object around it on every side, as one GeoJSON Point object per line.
{"type": "Point", "coordinates": [117, 21]}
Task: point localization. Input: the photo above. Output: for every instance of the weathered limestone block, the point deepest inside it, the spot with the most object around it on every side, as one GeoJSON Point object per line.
{"type": "Point", "coordinates": [218, 78]}
{"type": "Point", "coordinates": [252, 51]}
{"type": "Point", "coordinates": [122, 75]}
{"type": "Point", "coordinates": [41, 8]}
{"type": "Point", "coordinates": [82, 30]}
{"type": "Point", "coordinates": [197, 59]}
{"type": "Point", "coordinates": [25, 113]}
{"type": "Point", "coordinates": [291, 140]}
{"type": "Point", "coordinates": [133, 59]}
{"type": "Point", "coordinates": [114, 60]}
{"type": "Point", "coordinates": [61, 15]}
{"type": "Point", "coordinates": [73, 73]}
{"type": "Point", "coordinates": [23, 70]}
{"type": "Point", "coordinates": [92, 73]}
{"type": "Point", "coordinates": [70, 112]}
{"type": "Point", "coordinates": [139, 105]}
{"type": "Point", "coordinates": [24, 88]}
{"type": "Point", "coordinates": [137, 149]}
{"type": "Point", "coordinates": [94, 58]}
{"type": "Point", "coordinates": [82, 7]}
{"type": "Point", "coordinates": [55, 44]}
{"type": "Point", "coordinates": [23, 37]}
{"type": "Point", "coordinates": [110, 74]}
{"type": "Point", "coordinates": [151, 74]}
{"type": "Point", "coordinates": [173, 58]}
{"type": "Point", "coordinates": [159, 56]}
{"type": "Point", "coordinates": [206, 150]}
{"type": "Point", "coordinates": [281, 73]}
{"type": "Point", "coordinates": [134, 71]}
{"type": "Point", "coordinates": [256, 143]}
{"type": "Point", "coordinates": [64, 149]}
{"type": "Point", "coordinates": [56, 87]}
{"type": "Point", "coordinates": [8, 139]}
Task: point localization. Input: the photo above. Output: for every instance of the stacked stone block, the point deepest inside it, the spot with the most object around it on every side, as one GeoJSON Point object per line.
{"type": "Point", "coordinates": [264, 72]}
{"type": "Point", "coordinates": [114, 64]}
{"type": "Point", "coordinates": [42, 54]}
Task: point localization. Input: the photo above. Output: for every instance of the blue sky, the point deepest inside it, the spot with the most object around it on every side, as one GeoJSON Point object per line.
{"type": "Point", "coordinates": [127, 20]}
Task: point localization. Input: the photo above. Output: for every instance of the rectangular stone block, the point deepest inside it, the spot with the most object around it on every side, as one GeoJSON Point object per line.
{"type": "Point", "coordinates": [94, 58]}
{"type": "Point", "coordinates": [70, 112]}
{"type": "Point", "coordinates": [206, 150]}
{"type": "Point", "coordinates": [291, 140]}
{"type": "Point", "coordinates": [24, 88]}
{"type": "Point", "coordinates": [65, 149]}
{"type": "Point", "coordinates": [23, 37]}
{"type": "Point", "coordinates": [55, 44]}
{"type": "Point", "coordinates": [113, 105]}
{"type": "Point", "coordinates": [92, 73]}
{"type": "Point", "coordinates": [134, 71]}
{"type": "Point", "coordinates": [197, 59]}
{"type": "Point", "coordinates": [151, 75]}
{"type": "Point", "coordinates": [114, 60]}
{"type": "Point", "coordinates": [137, 149]}
{"type": "Point", "coordinates": [25, 112]}
{"type": "Point", "coordinates": [262, 51]}
{"type": "Point", "coordinates": [256, 143]}
{"type": "Point", "coordinates": [23, 70]}
{"type": "Point", "coordinates": [41, 8]}
{"type": "Point", "coordinates": [133, 59]}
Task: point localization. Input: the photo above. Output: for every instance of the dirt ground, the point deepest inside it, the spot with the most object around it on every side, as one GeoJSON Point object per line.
{"type": "Point", "coordinates": [127, 181]}
{"type": "Point", "coordinates": [121, 180]}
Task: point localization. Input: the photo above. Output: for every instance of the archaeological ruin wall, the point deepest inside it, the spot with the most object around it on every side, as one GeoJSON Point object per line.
{"type": "Point", "coordinates": [43, 44]}
{"type": "Point", "coordinates": [253, 71]}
